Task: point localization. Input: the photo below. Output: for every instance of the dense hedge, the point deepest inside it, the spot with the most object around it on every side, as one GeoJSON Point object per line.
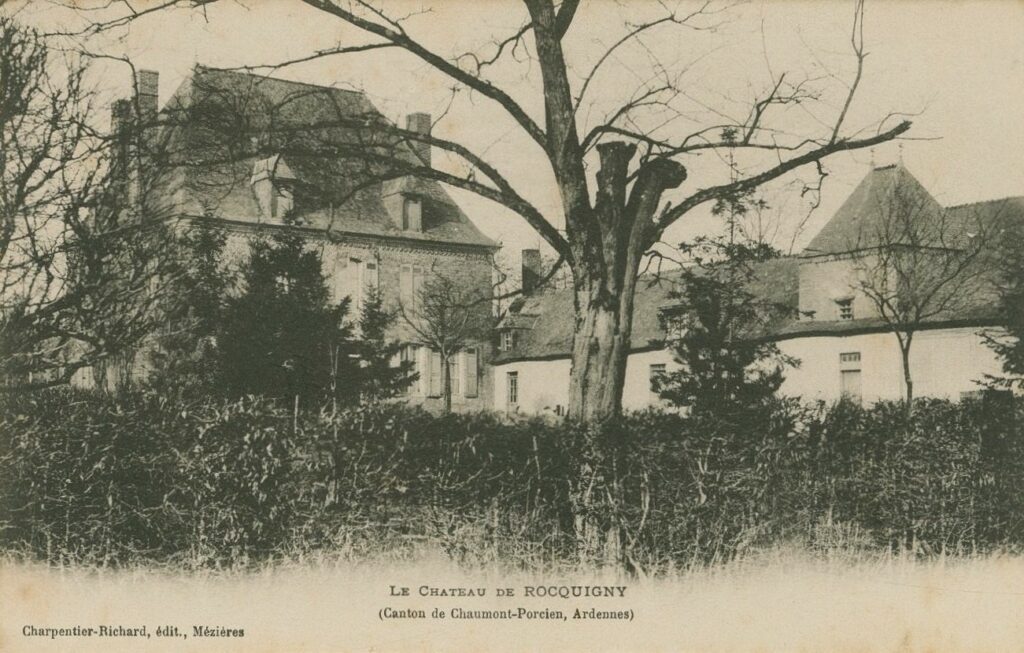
{"type": "Point", "coordinates": [110, 480]}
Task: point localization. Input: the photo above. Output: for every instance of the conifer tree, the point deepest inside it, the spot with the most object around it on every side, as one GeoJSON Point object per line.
{"type": "Point", "coordinates": [283, 336]}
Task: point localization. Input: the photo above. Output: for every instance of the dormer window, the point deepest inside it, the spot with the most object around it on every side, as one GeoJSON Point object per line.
{"type": "Point", "coordinates": [273, 184]}
{"type": "Point", "coordinates": [845, 308]}
{"type": "Point", "coordinates": [507, 340]}
{"type": "Point", "coordinates": [412, 214]}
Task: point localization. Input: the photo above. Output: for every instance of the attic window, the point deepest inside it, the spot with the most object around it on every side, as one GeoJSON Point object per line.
{"type": "Point", "coordinates": [507, 340]}
{"type": "Point", "coordinates": [412, 214]}
{"type": "Point", "coordinates": [845, 307]}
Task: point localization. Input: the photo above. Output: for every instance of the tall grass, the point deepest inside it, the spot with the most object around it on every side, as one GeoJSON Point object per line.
{"type": "Point", "coordinates": [134, 479]}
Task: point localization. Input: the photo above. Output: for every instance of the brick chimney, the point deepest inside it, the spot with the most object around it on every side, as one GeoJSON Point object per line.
{"type": "Point", "coordinates": [147, 85]}
{"type": "Point", "coordinates": [533, 270]}
{"type": "Point", "coordinates": [419, 123]}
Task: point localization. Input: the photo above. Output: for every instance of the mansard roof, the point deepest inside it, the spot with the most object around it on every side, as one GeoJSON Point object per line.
{"type": "Point", "coordinates": [221, 124]}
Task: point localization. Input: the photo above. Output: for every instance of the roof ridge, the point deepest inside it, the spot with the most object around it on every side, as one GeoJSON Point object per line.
{"type": "Point", "coordinates": [998, 199]}
{"type": "Point", "coordinates": [249, 73]}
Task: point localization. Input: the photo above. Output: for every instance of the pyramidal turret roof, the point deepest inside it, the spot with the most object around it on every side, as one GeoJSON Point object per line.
{"type": "Point", "coordinates": [859, 218]}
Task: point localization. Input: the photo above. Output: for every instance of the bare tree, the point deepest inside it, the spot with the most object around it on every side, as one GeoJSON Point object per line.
{"type": "Point", "coordinates": [446, 317]}
{"type": "Point", "coordinates": [917, 262]}
{"type": "Point", "coordinates": [616, 179]}
{"type": "Point", "coordinates": [80, 278]}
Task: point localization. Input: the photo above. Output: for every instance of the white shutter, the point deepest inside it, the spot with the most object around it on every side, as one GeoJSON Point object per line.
{"type": "Point", "coordinates": [357, 274]}
{"type": "Point", "coordinates": [340, 280]}
{"type": "Point", "coordinates": [372, 275]}
{"type": "Point", "coordinates": [423, 367]}
{"type": "Point", "coordinates": [417, 289]}
{"type": "Point", "coordinates": [471, 368]}
{"type": "Point", "coordinates": [453, 370]}
{"type": "Point", "coordinates": [405, 287]}
{"type": "Point", "coordinates": [435, 374]}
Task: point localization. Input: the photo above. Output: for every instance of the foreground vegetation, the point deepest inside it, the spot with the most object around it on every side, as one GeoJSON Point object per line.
{"type": "Point", "coordinates": [133, 478]}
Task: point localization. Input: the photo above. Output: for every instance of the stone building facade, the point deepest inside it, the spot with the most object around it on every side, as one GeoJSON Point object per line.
{"type": "Point", "coordinates": [254, 155]}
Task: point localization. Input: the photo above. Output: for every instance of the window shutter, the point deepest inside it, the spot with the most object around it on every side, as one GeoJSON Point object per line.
{"type": "Point", "coordinates": [358, 275]}
{"type": "Point", "coordinates": [435, 374]}
{"type": "Point", "coordinates": [472, 370]}
{"type": "Point", "coordinates": [405, 287]}
{"type": "Point", "coordinates": [417, 288]}
{"type": "Point", "coordinates": [453, 370]}
{"type": "Point", "coordinates": [372, 278]}
{"type": "Point", "coordinates": [340, 278]}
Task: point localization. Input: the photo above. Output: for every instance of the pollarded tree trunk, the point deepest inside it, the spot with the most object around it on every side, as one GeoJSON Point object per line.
{"type": "Point", "coordinates": [613, 238]}
{"type": "Point", "coordinates": [600, 348]}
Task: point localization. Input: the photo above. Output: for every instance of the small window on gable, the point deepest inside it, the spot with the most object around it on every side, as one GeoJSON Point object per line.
{"type": "Point", "coordinates": [507, 340]}
{"type": "Point", "coordinates": [412, 214]}
{"type": "Point", "coordinates": [845, 307]}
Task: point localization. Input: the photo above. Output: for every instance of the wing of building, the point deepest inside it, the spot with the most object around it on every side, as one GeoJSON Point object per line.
{"type": "Point", "coordinates": [253, 154]}
{"type": "Point", "coordinates": [842, 342]}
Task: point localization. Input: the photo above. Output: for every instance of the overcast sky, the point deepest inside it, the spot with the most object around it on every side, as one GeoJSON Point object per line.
{"type": "Point", "coordinates": [959, 64]}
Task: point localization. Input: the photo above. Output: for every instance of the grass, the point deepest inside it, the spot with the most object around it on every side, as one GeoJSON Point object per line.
{"type": "Point", "coordinates": [780, 600]}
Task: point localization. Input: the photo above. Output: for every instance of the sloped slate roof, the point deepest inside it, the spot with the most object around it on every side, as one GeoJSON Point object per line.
{"type": "Point", "coordinates": [859, 221]}
{"type": "Point", "coordinates": [855, 225]}
{"type": "Point", "coordinates": [545, 317]}
{"type": "Point", "coordinates": [217, 117]}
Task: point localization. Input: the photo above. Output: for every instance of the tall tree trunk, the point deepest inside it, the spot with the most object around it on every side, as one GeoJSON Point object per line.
{"type": "Point", "coordinates": [908, 380]}
{"type": "Point", "coordinates": [610, 242]}
{"type": "Point", "coordinates": [446, 370]}
{"type": "Point", "coordinates": [600, 348]}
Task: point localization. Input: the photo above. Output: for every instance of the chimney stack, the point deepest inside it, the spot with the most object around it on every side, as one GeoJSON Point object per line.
{"type": "Point", "coordinates": [533, 270]}
{"type": "Point", "coordinates": [147, 85]}
{"type": "Point", "coordinates": [419, 123]}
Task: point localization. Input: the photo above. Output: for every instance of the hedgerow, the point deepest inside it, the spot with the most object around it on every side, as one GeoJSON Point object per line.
{"type": "Point", "coordinates": [122, 479]}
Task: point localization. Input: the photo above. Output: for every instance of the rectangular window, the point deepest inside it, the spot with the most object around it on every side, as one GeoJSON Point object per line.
{"type": "Point", "coordinates": [507, 340]}
{"type": "Point", "coordinates": [472, 370]}
{"type": "Point", "coordinates": [366, 278]}
{"type": "Point", "coordinates": [340, 276]}
{"type": "Point", "coordinates": [849, 381]}
{"type": "Point", "coordinates": [405, 287]}
{"type": "Point", "coordinates": [355, 268]}
{"type": "Point", "coordinates": [411, 354]}
{"type": "Point", "coordinates": [372, 279]}
{"type": "Point", "coordinates": [412, 214]}
{"type": "Point", "coordinates": [657, 370]}
{"type": "Point", "coordinates": [513, 389]}
{"type": "Point", "coordinates": [453, 374]}
{"type": "Point", "coordinates": [418, 272]}
{"type": "Point", "coordinates": [845, 307]}
{"type": "Point", "coordinates": [850, 375]}
{"type": "Point", "coordinates": [435, 374]}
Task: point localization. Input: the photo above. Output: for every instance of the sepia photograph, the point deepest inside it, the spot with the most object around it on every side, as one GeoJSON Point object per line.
{"type": "Point", "coordinates": [512, 325]}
